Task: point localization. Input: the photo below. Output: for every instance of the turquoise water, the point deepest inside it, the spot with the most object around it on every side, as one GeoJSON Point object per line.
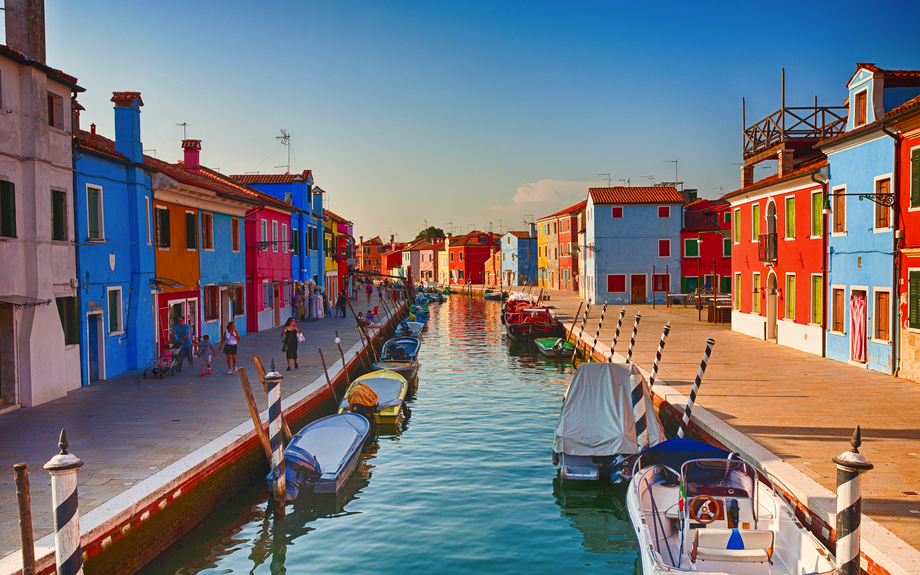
{"type": "Point", "coordinates": [467, 487]}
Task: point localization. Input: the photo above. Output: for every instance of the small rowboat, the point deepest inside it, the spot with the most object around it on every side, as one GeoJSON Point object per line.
{"type": "Point", "coordinates": [493, 295]}
{"type": "Point", "coordinates": [410, 328]}
{"type": "Point", "coordinates": [557, 347]}
{"type": "Point", "coordinates": [390, 388]}
{"type": "Point", "coordinates": [400, 355]}
{"type": "Point", "coordinates": [322, 456]}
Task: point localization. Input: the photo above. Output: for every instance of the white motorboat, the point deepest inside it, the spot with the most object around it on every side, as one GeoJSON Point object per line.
{"type": "Point", "coordinates": [699, 509]}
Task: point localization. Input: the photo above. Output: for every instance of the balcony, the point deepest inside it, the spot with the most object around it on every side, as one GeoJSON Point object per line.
{"type": "Point", "coordinates": [766, 248]}
{"type": "Point", "coordinates": [791, 128]}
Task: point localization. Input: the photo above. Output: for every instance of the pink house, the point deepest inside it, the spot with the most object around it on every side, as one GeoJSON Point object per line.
{"type": "Point", "coordinates": [268, 267]}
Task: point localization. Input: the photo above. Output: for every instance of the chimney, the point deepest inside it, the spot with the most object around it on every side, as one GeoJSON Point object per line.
{"type": "Point", "coordinates": [392, 238]}
{"type": "Point", "coordinates": [691, 194]}
{"type": "Point", "coordinates": [25, 28]}
{"type": "Point", "coordinates": [128, 125]}
{"type": "Point", "coordinates": [360, 239]}
{"type": "Point", "coordinates": [747, 176]}
{"type": "Point", "coordinates": [75, 109]}
{"type": "Point", "coordinates": [785, 162]}
{"type": "Point", "coordinates": [192, 152]}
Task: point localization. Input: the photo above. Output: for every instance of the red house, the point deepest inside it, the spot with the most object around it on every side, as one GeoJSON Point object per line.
{"type": "Point", "coordinates": [706, 247]}
{"type": "Point", "coordinates": [467, 256]}
{"type": "Point", "coordinates": [571, 221]}
{"type": "Point", "coordinates": [391, 261]}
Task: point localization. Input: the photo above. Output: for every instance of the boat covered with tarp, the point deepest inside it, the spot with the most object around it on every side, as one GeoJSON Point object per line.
{"type": "Point", "coordinates": [595, 437]}
{"type": "Point", "coordinates": [389, 394]}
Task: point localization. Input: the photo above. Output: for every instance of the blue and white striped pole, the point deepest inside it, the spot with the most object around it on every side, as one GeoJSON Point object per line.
{"type": "Point", "coordinates": [696, 387]}
{"type": "Point", "coordinates": [279, 485]}
{"type": "Point", "coordinates": [850, 465]}
{"type": "Point", "coordinates": [616, 335]}
{"type": "Point", "coordinates": [638, 401]}
{"type": "Point", "coordinates": [632, 340]}
{"type": "Point", "coordinates": [664, 337]}
{"type": "Point", "coordinates": [68, 553]}
{"type": "Point", "coordinates": [597, 334]}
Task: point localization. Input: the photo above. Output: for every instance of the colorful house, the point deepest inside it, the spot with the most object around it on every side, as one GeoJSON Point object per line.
{"type": "Point", "coordinates": [429, 261]}
{"type": "Point", "coordinates": [115, 256]}
{"type": "Point", "coordinates": [548, 243]}
{"type": "Point", "coordinates": [570, 221]}
{"type": "Point", "coordinates": [860, 267]}
{"type": "Point", "coordinates": [632, 237]}
{"type": "Point", "coordinates": [370, 254]}
{"type": "Point", "coordinates": [542, 263]}
{"type": "Point", "coordinates": [393, 259]}
{"type": "Point", "coordinates": [519, 257]}
{"type": "Point", "coordinates": [412, 258]}
{"type": "Point", "coordinates": [468, 255]}
{"type": "Point", "coordinates": [492, 269]}
{"type": "Point", "coordinates": [331, 256]}
{"type": "Point", "coordinates": [444, 272]}
{"type": "Point", "coordinates": [706, 247]}
{"type": "Point", "coordinates": [344, 250]}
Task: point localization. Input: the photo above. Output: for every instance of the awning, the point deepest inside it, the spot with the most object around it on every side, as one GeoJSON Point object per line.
{"type": "Point", "coordinates": [22, 301]}
{"type": "Point", "coordinates": [166, 282]}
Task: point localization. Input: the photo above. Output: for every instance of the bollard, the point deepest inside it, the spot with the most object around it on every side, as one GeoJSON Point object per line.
{"type": "Point", "coordinates": [850, 465]}
{"type": "Point", "coordinates": [632, 341]}
{"type": "Point", "coordinates": [638, 401]}
{"type": "Point", "coordinates": [616, 335]}
{"type": "Point", "coordinates": [664, 337]}
{"type": "Point", "coordinates": [597, 334]}
{"type": "Point", "coordinates": [24, 500]}
{"type": "Point", "coordinates": [696, 387]}
{"type": "Point", "coordinates": [68, 553]}
{"type": "Point", "coordinates": [279, 486]}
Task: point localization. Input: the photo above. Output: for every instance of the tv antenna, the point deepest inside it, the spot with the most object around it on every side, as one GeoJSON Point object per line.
{"type": "Point", "coordinates": [607, 178]}
{"type": "Point", "coordinates": [651, 179]}
{"type": "Point", "coordinates": [285, 139]}
{"type": "Point", "coordinates": [675, 167]}
{"type": "Point", "coordinates": [627, 180]}
{"type": "Point", "coordinates": [184, 130]}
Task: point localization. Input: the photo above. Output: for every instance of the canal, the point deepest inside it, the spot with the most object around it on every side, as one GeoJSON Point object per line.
{"type": "Point", "coordinates": [467, 487]}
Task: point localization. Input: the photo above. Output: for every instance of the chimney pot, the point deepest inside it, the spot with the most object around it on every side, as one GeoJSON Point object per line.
{"type": "Point", "coordinates": [192, 153]}
{"type": "Point", "coordinates": [92, 129]}
{"type": "Point", "coordinates": [128, 125]}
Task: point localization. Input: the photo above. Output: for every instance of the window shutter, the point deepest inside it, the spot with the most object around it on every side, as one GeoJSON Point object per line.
{"type": "Point", "coordinates": [915, 179]}
{"type": "Point", "coordinates": [817, 208]}
{"type": "Point", "coordinates": [913, 298]}
{"type": "Point", "coordinates": [817, 290]}
{"type": "Point", "coordinates": [165, 236]}
{"type": "Point", "coordinates": [790, 217]}
{"type": "Point", "coordinates": [8, 209]}
{"type": "Point", "coordinates": [113, 311]}
{"type": "Point", "coordinates": [191, 231]}
{"type": "Point", "coordinates": [92, 213]}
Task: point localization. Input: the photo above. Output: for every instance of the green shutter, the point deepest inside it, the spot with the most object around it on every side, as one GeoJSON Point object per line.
{"type": "Point", "coordinates": [913, 299]}
{"type": "Point", "coordinates": [691, 248]}
{"type": "Point", "coordinates": [755, 221]}
{"type": "Point", "coordinates": [726, 248]}
{"type": "Point", "coordinates": [790, 297]}
{"type": "Point", "coordinates": [191, 231]}
{"type": "Point", "coordinates": [738, 292]}
{"type": "Point", "coordinates": [915, 178]}
{"type": "Point", "coordinates": [817, 206]}
{"type": "Point", "coordinates": [113, 311]}
{"type": "Point", "coordinates": [738, 226]}
{"type": "Point", "coordinates": [817, 299]}
{"type": "Point", "coordinates": [790, 217]}
{"type": "Point", "coordinates": [92, 213]}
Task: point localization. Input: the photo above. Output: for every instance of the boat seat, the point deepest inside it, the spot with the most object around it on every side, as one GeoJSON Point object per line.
{"type": "Point", "coordinates": [733, 545]}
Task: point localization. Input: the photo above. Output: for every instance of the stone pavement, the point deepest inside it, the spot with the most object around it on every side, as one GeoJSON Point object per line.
{"type": "Point", "coordinates": [801, 407]}
{"type": "Point", "coordinates": [127, 428]}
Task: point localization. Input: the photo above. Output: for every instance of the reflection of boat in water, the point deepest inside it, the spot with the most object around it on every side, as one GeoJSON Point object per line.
{"type": "Point", "coordinates": [598, 511]}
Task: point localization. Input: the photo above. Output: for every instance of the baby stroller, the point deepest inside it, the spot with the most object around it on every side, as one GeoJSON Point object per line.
{"type": "Point", "coordinates": [168, 362]}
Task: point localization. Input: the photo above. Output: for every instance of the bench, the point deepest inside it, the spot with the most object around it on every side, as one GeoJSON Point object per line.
{"type": "Point", "coordinates": [748, 545]}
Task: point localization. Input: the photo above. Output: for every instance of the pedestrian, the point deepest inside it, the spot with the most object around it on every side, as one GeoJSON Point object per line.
{"type": "Point", "coordinates": [370, 290]}
{"type": "Point", "coordinates": [182, 335]}
{"type": "Point", "coordinates": [228, 343]}
{"type": "Point", "coordinates": [207, 353]}
{"type": "Point", "coordinates": [291, 334]}
{"type": "Point", "coordinates": [340, 303]}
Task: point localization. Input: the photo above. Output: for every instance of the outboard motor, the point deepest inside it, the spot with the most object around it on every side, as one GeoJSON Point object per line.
{"type": "Point", "coordinates": [400, 354]}
{"type": "Point", "coordinates": [733, 514]}
{"type": "Point", "coordinates": [301, 471]}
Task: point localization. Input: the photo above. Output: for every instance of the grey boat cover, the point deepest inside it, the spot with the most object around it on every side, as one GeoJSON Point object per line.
{"type": "Point", "coordinates": [387, 391]}
{"type": "Point", "coordinates": [332, 439]}
{"type": "Point", "coordinates": [597, 413]}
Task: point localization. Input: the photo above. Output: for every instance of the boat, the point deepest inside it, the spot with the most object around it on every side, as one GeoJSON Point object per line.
{"type": "Point", "coordinates": [493, 295]}
{"type": "Point", "coordinates": [527, 323]}
{"type": "Point", "coordinates": [595, 438]}
{"type": "Point", "coordinates": [390, 389]}
{"type": "Point", "coordinates": [322, 455]}
{"type": "Point", "coordinates": [555, 347]}
{"type": "Point", "coordinates": [420, 308]}
{"type": "Point", "coordinates": [697, 508]}
{"type": "Point", "coordinates": [410, 328]}
{"type": "Point", "coordinates": [400, 355]}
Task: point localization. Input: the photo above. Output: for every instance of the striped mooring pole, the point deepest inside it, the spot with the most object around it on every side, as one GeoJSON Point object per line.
{"type": "Point", "coordinates": [850, 465]}
{"type": "Point", "coordinates": [279, 486]}
{"type": "Point", "coordinates": [664, 337]}
{"type": "Point", "coordinates": [597, 334]}
{"type": "Point", "coordinates": [584, 320]}
{"type": "Point", "coordinates": [632, 340]}
{"type": "Point", "coordinates": [638, 401]}
{"type": "Point", "coordinates": [696, 387]}
{"type": "Point", "coordinates": [616, 335]}
{"type": "Point", "coordinates": [68, 553]}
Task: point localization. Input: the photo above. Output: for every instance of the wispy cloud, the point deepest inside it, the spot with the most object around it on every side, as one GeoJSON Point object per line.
{"type": "Point", "coordinates": [550, 191]}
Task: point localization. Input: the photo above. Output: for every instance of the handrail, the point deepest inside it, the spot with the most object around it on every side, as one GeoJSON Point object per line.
{"type": "Point", "coordinates": [813, 122]}
{"type": "Point", "coordinates": [651, 498]}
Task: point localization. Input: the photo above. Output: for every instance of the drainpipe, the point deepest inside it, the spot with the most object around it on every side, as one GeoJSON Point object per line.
{"type": "Point", "coordinates": [823, 179]}
{"type": "Point", "coordinates": [895, 275]}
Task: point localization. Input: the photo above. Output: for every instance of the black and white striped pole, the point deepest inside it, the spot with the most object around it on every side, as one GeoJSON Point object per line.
{"type": "Point", "coordinates": [638, 401]}
{"type": "Point", "coordinates": [664, 337]}
{"type": "Point", "coordinates": [68, 552]}
{"type": "Point", "coordinates": [279, 485]}
{"type": "Point", "coordinates": [696, 387]}
{"type": "Point", "coordinates": [584, 320]}
{"type": "Point", "coordinates": [616, 335]}
{"type": "Point", "coordinates": [597, 334]}
{"type": "Point", "coordinates": [632, 340]}
{"type": "Point", "coordinates": [850, 465]}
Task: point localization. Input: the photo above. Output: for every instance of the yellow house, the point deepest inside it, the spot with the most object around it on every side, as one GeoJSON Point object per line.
{"type": "Point", "coordinates": [444, 265]}
{"type": "Point", "coordinates": [541, 253]}
{"type": "Point", "coordinates": [331, 266]}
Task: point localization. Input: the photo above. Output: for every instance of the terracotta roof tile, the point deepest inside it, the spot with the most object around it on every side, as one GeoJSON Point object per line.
{"type": "Point", "coordinates": [699, 222]}
{"type": "Point", "coordinates": [908, 105]}
{"type": "Point", "coordinates": [522, 235]}
{"type": "Point", "coordinates": [285, 178]}
{"type": "Point", "coordinates": [803, 170]}
{"type": "Point", "coordinates": [54, 73]}
{"type": "Point", "coordinates": [640, 195]}
{"type": "Point", "coordinates": [334, 217]}
{"type": "Point", "coordinates": [98, 143]}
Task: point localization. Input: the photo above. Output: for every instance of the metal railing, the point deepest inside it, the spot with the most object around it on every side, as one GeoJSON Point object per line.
{"type": "Point", "coordinates": [766, 248]}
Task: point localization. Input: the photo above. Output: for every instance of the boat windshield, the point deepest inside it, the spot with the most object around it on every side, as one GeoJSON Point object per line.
{"type": "Point", "coordinates": [702, 475]}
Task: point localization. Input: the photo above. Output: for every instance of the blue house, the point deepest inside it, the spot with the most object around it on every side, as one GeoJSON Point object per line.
{"type": "Point", "coordinates": [519, 258]}
{"type": "Point", "coordinates": [632, 240]}
{"type": "Point", "coordinates": [861, 325]}
{"type": "Point", "coordinates": [115, 246]}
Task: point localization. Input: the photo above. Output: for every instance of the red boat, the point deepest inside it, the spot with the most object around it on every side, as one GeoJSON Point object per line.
{"type": "Point", "coordinates": [526, 322]}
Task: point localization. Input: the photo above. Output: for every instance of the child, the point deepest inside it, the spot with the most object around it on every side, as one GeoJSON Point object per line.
{"type": "Point", "coordinates": [207, 353]}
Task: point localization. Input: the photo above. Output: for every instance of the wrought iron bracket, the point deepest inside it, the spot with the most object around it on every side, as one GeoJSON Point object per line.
{"type": "Point", "coordinates": [886, 200]}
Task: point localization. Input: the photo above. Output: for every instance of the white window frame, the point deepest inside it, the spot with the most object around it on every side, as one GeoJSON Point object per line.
{"type": "Point", "coordinates": [284, 245]}
{"type": "Point", "coordinates": [197, 231]}
{"type": "Point", "coordinates": [625, 283]}
{"type": "Point", "coordinates": [668, 208]}
{"type": "Point", "coordinates": [667, 257]}
{"type": "Point", "coordinates": [652, 286]}
{"type": "Point", "coordinates": [101, 237]}
{"type": "Point", "coordinates": [263, 226]}
{"type": "Point", "coordinates": [786, 277]}
{"type": "Point", "coordinates": [856, 111]}
{"type": "Point", "coordinates": [786, 217]}
{"type": "Point", "coordinates": [147, 205]}
{"type": "Point", "coordinates": [736, 289]}
{"type": "Point", "coordinates": [204, 297]}
{"type": "Point", "coordinates": [729, 254]}
{"type": "Point", "coordinates": [811, 211]}
{"type": "Point", "coordinates": [846, 310]}
{"type": "Point", "coordinates": [168, 217]}
{"type": "Point", "coordinates": [755, 238]}
{"type": "Point", "coordinates": [910, 191]}
{"type": "Point", "coordinates": [275, 236]}
{"type": "Point", "coordinates": [697, 256]}
{"type": "Point", "coordinates": [907, 291]}
{"type": "Point", "coordinates": [271, 289]}
{"type": "Point", "coordinates": [876, 290]}
{"type": "Point", "coordinates": [120, 317]}
{"type": "Point", "coordinates": [736, 223]}
{"type": "Point", "coordinates": [755, 295]}
{"type": "Point", "coordinates": [832, 220]}
{"type": "Point", "coordinates": [622, 213]}
{"type": "Point", "coordinates": [877, 206]}
{"type": "Point", "coordinates": [811, 301]}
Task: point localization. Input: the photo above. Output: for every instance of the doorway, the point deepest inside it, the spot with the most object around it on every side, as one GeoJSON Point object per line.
{"type": "Point", "coordinates": [95, 353]}
{"type": "Point", "coordinates": [8, 395]}
{"type": "Point", "coordinates": [771, 306]}
{"type": "Point", "coordinates": [278, 303]}
{"type": "Point", "coordinates": [858, 324]}
{"type": "Point", "coordinates": [225, 311]}
{"type": "Point", "coordinates": [637, 289]}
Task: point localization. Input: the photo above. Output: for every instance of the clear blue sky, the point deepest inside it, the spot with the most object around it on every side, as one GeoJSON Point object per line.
{"type": "Point", "coordinates": [468, 112]}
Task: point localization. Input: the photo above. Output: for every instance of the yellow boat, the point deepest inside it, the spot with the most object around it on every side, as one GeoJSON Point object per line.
{"type": "Point", "coordinates": [390, 389]}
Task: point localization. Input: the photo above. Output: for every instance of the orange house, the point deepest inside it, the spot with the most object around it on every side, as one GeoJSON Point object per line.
{"type": "Point", "coordinates": [177, 266]}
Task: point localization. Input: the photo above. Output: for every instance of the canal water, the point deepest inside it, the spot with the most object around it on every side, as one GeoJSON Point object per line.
{"type": "Point", "coordinates": [468, 487]}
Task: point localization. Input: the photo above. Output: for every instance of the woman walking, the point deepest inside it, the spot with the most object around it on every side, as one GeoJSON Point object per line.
{"type": "Point", "coordinates": [340, 303]}
{"type": "Point", "coordinates": [291, 335]}
{"type": "Point", "coordinates": [228, 343]}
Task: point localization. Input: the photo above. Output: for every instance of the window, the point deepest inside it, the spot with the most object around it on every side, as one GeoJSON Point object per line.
{"type": "Point", "coordinates": [661, 282]}
{"type": "Point", "coordinates": [726, 285]}
{"type": "Point", "coordinates": [664, 211]}
{"type": "Point", "coordinates": [207, 231]}
{"type": "Point", "coordinates": [267, 295]}
{"type": "Point", "coordinates": [727, 217]}
{"type": "Point", "coordinates": [284, 237]}
{"type": "Point", "coordinates": [755, 222]}
{"type": "Point", "coordinates": [7, 209]}
{"type": "Point", "coordinates": [839, 211]}
{"type": "Point", "coordinates": [295, 241]}
{"type": "Point", "coordinates": [737, 297]}
{"type": "Point", "coordinates": [616, 212]}
{"type": "Point", "coordinates": [817, 207]}
{"type": "Point", "coordinates": [664, 248]}
{"type": "Point", "coordinates": [691, 248]}
{"type": "Point", "coordinates": [616, 283]}
{"type": "Point", "coordinates": [211, 302]}
{"type": "Point", "coordinates": [235, 231]}
{"type": "Point", "coordinates": [191, 231]}
{"type": "Point", "coordinates": [839, 309]}
{"type": "Point", "coordinates": [451, 256]}
{"type": "Point", "coordinates": [274, 236]}
{"type": "Point", "coordinates": [58, 215]}
{"type": "Point", "coordinates": [288, 290]}
{"type": "Point", "coordinates": [162, 227]}
{"type": "Point", "coordinates": [115, 311]}
{"type": "Point", "coordinates": [882, 329]}
{"type": "Point", "coordinates": [147, 211]}
{"type": "Point", "coordinates": [461, 256]}
{"type": "Point", "coordinates": [55, 111]}
{"type": "Point", "coordinates": [264, 230]}
{"type": "Point", "coordinates": [861, 108]}
{"type": "Point", "coordinates": [882, 213]}
{"type": "Point", "coordinates": [461, 274]}
{"type": "Point", "coordinates": [790, 296]}
{"type": "Point", "coordinates": [817, 298]}
{"type": "Point", "coordinates": [737, 225]}
{"type": "Point", "coordinates": [239, 307]}
{"type": "Point", "coordinates": [94, 220]}
{"type": "Point", "coordinates": [70, 321]}
{"type": "Point", "coordinates": [755, 307]}
{"type": "Point", "coordinates": [913, 299]}
{"type": "Point", "coordinates": [790, 217]}
{"type": "Point", "coordinates": [726, 248]}
{"type": "Point", "coordinates": [915, 178]}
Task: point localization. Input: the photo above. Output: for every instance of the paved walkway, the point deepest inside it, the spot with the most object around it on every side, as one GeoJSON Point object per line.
{"type": "Point", "coordinates": [127, 428]}
{"type": "Point", "coordinates": [801, 407]}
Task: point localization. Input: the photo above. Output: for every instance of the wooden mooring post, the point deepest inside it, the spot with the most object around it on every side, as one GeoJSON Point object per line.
{"type": "Point", "coordinates": [24, 499]}
{"type": "Point", "coordinates": [328, 380]}
{"type": "Point", "coordinates": [254, 413]}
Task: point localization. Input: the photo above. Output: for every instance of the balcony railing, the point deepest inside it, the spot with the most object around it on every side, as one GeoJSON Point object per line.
{"type": "Point", "coordinates": [766, 248]}
{"type": "Point", "coordinates": [794, 124]}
